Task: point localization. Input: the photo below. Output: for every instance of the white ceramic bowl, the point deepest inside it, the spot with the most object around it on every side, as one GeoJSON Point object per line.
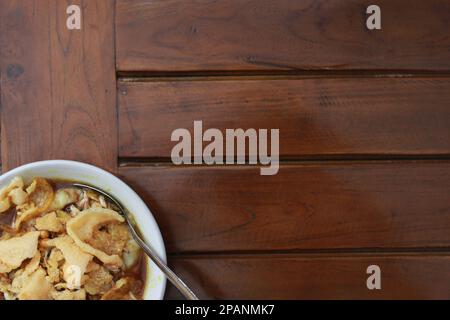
{"type": "Point", "coordinates": [85, 173]}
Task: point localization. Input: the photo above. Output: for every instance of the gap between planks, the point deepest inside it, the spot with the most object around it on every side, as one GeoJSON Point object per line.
{"type": "Point", "coordinates": [307, 160]}
{"type": "Point", "coordinates": [316, 253]}
{"type": "Point", "coordinates": [149, 76]}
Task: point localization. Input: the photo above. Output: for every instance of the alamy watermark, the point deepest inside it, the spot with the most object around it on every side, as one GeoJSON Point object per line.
{"type": "Point", "coordinates": [235, 143]}
{"type": "Point", "coordinates": [73, 21]}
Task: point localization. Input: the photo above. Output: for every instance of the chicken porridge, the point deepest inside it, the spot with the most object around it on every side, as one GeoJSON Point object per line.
{"type": "Point", "coordinates": [59, 242]}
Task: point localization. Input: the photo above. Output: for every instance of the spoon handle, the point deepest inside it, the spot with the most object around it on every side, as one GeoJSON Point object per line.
{"type": "Point", "coordinates": [173, 278]}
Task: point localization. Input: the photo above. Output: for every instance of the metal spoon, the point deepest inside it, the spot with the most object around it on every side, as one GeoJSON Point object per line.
{"type": "Point", "coordinates": [176, 281]}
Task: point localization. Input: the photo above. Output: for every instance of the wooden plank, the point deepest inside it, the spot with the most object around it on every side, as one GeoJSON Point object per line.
{"type": "Point", "coordinates": [304, 206]}
{"type": "Point", "coordinates": [58, 86]}
{"type": "Point", "coordinates": [319, 277]}
{"type": "Point", "coordinates": [178, 35]}
{"type": "Point", "coordinates": [315, 116]}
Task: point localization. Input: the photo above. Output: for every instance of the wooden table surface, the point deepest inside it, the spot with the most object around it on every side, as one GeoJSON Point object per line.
{"type": "Point", "coordinates": [364, 119]}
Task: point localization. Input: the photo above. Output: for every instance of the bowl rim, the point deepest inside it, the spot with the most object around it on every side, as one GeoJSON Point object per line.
{"type": "Point", "coordinates": [161, 251]}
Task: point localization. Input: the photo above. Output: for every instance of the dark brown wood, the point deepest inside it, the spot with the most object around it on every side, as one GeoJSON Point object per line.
{"type": "Point", "coordinates": [230, 232]}
{"type": "Point", "coordinates": [310, 206]}
{"type": "Point", "coordinates": [315, 116]}
{"type": "Point", "coordinates": [313, 277]}
{"type": "Point", "coordinates": [178, 35]}
{"type": "Point", "coordinates": [58, 86]}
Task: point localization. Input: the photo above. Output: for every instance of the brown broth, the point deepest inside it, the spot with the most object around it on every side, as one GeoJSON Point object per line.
{"type": "Point", "coordinates": [7, 217]}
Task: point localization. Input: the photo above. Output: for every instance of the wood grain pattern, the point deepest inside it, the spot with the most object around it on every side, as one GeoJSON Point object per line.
{"type": "Point", "coordinates": [178, 35]}
{"type": "Point", "coordinates": [309, 206]}
{"type": "Point", "coordinates": [223, 225]}
{"type": "Point", "coordinates": [315, 116]}
{"type": "Point", "coordinates": [313, 277]}
{"type": "Point", "coordinates": [58, 86]}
